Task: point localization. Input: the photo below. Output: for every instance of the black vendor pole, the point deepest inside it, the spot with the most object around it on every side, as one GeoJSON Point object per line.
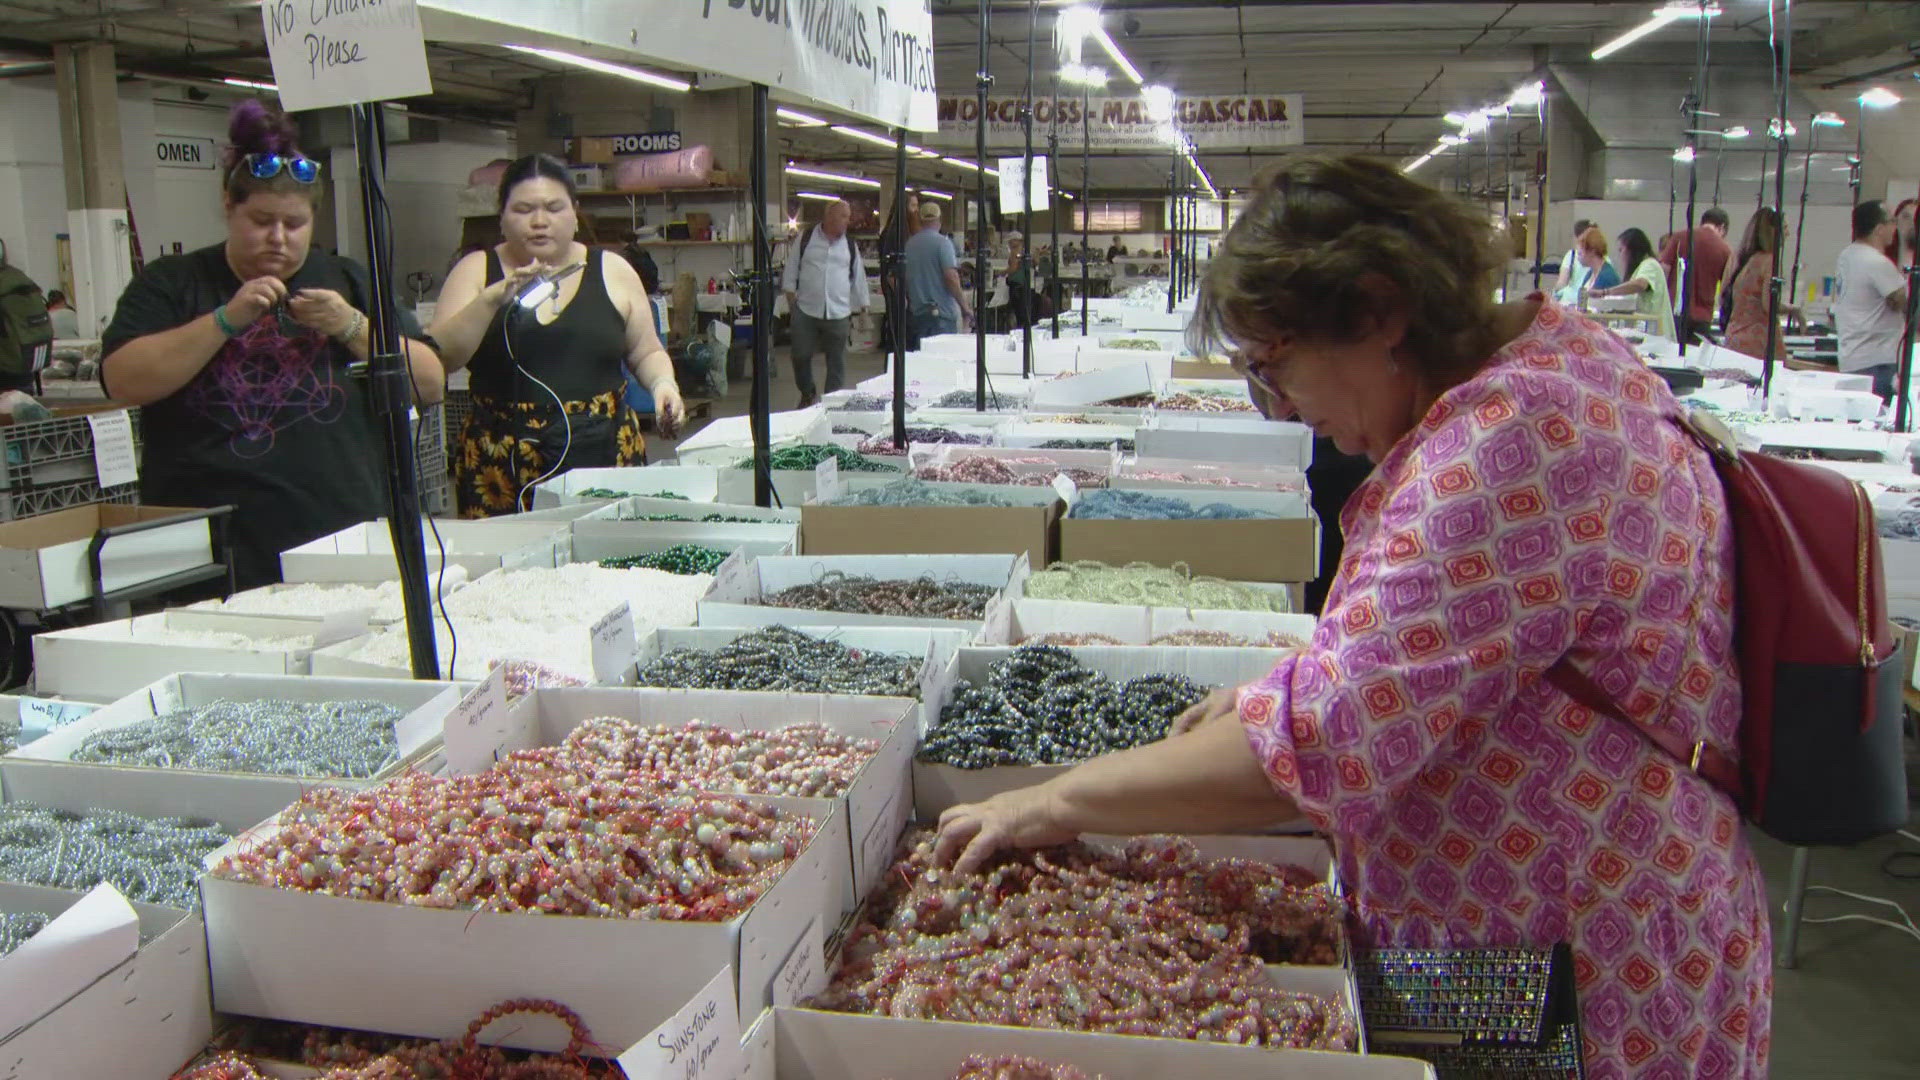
{"type": "Point", "coordinates": [1800, 230]}
{"type": "Point", "coordinates": [983, 81]}
{"type": "Point", "coordinates": [1540, 162]}
{"type": "Point", "coordinates": [1782, 75]}
{"type": "Point", "coordinates": [390, 391]}
{"type": "Point", "coordinates": [893, 281]}
{"type": "Point", "coordinates": [1173, 230]}
{"type": "Point", "coordinates": [1026, 204]}
{"type": "Point", "coordinates": [1054, 202]}
{"type": "Point", "coordinates": [1693, 106]}
{"type": "Point", "coordinates": [761, 301]}
{"type": "Point", "coordinates": [1086, 203]}
{"type": "Point", "coordinates": [1902, 418]}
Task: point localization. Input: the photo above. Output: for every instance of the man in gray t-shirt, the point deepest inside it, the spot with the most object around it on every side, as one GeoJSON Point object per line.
{"type": "Point", "coordinates": [933, 277]}
{"type": "Point", "coordinates": [1870, 309]}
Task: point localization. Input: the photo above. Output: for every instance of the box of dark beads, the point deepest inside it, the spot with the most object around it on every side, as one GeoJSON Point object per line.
{"type": "Point", "coordinates": [412, 907]}
{"type": "Point", "coordinates": [939, 591]}
{"type": "Point", "coordinates": [1013, 717]}
{"type": "Point", "coordinates": [677, 546]}
{"type": "Point", "coordinates": [849, 753]}
{"type": "Point", "coordinates": [231, 748]}
{"type": "Point", "coordinates": [141, 1017]}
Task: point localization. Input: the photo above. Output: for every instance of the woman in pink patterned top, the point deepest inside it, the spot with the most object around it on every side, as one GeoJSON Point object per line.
{"type": "Point", "coordinates": [1530, 501]}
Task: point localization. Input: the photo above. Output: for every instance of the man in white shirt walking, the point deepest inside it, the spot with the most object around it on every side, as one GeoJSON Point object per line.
{"type": "Point", "coordinates": [1870, 306]}
{"type": "Point", "coordinates": [825, 282]}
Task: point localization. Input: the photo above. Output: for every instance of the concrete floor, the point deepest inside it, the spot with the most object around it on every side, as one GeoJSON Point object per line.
{"type": "Point", "coordinates": [1849, 1011]}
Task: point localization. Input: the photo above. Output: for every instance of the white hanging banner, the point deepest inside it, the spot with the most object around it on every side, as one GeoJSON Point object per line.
{"type": "Point", "coordinates": [869, 58]}
{"type": "Point", "coordinates": [345, 52]}
{"type": "Point", "coordinates": [1011, 169]}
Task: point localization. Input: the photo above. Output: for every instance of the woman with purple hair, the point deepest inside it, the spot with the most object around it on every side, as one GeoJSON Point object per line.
{"type": "Point", "coordinates": [239, 353]}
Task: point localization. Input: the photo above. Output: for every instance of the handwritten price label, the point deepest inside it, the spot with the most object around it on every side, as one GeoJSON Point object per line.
{"type": "Point", "coordinates": [805, 972]}
{"type": "Point", "coordinates": [701, 1042]}
{"type": "Point", "coordinates": [477, 728]}
{"type": "Point", "coordinates": [826, 481]}
{"type": "Point", "coordinates": [616, 649]}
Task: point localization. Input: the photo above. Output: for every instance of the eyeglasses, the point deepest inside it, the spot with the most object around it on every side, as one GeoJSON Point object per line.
{"type": "Point", "coordinates": [303, 169]}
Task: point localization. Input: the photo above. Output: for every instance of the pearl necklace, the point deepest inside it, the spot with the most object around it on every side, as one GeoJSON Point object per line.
{"type": "Point", "coordinates": [1014, 1067]}
{"type": "Point", "coordinates": [1155, 940]}
{"type": "Point", "coordinates": [536, 833]}
{"type": "Point", "coordinates": [344, 739]}
{"type": "Point", "coordinates": [18, 926]}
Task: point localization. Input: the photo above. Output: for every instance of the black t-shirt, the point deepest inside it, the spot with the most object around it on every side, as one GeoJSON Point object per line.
{"type": "Point", "coordinates": [273, 424]}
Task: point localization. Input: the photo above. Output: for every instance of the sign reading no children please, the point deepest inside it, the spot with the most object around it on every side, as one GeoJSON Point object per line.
{"type": "Point", "coordinates": [345, 52]}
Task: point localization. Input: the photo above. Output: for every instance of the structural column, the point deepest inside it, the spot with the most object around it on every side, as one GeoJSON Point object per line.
{"type": "Point", "coordinates": [97, 220]}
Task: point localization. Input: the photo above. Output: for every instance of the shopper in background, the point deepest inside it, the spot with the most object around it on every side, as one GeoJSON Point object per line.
{"type": "Point", "coordinates": [934, 293]}
{"type": "Point", "coordinates": [1595, 271]}
{"type": "Point", "coordinates": [66, 321]}
{"type": "Point", "coordinates": [1901, 248]}
{"type": "Point", "coordinates": [1567, 288]}
{"type": "Point", "coordinates": [1709, 254]}
{"type": "Point", "coordinates": [238, 355]}
{"type": "Point", "coordinates": [1870, 300]}
{"type": "Point", "coordinates": [1021, 299]}
{"type": "Point", "coordinates": [825, 281]}
{"type": "Point", "coordinates": [549, 379]}
{"type": "Point", "coordinates": [893, 247]}
{"type": "Point", "coordinates": [1745, 305]}
{"type": "Point", "coordinates": [1530, 503]}
{"type": "Point", "coordinates": [1646, 279]}
{"type": "Point", "coordinates": [1116, 250]}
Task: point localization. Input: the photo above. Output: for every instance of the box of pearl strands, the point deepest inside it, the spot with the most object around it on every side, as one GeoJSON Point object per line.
{"type": "Point", "coordinates": [937, 787]}
{"type": "Point", "coordinates": [741, 588]}
{"type": "Point", "coordinates": [872, 813]}
{"type": "Point", "coordinates": [144, 1018]}
{"type": "Point", "coordinates": [403, 969]}
{"type": "Point", "coordinates": [43, 771]}
{"type": "Point", "coordinates": [106, 661]}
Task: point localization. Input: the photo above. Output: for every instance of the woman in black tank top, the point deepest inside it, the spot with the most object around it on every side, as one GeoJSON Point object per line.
{"type": "Point", "coordinates": [549, 381]}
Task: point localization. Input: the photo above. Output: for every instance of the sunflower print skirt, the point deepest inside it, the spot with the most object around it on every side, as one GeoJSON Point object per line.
{"type": "Point", "coordinates": [505, 446]}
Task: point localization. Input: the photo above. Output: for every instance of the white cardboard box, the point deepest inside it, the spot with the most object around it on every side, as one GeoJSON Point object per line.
{"type": "Point", "coordinates": [1033, 433]}
{"type": "Point", "coordinates": [1020, 461]}
{"type": "Point", "coordinates": [699, 484]}
{"type": "Point", "coordinates": [364, 552]}
{"type": "Point", "coordinates": [1134, 625]}
{"type": "Point", "coordinates": [106, 661]}
{"type": "Point", "coordinates": [735, 599]}
{"type": "Point", "coordinates": [88, 935]}
{"type": "Point", "coordinates": [1207, 476]}
{"type": "Point", "coordinates": [42, 771]}
{"type": "Point", "coordinates": [611, 539]}
{"type": "Point", "coordinates": [869, 818]}
{"type": "Point", "coordinates": [794, 488]}
{"type": "Point", "coordinates": [43, 559]}
{"type": "Point", "coordinates": [939, 787]}
{"type": "Point", "coordinates": [1096, 386]}
{"type": "Point", "coordinates": [936, 646]}
{"type": "Point", "coordinates": [140, 1021]}
{"type": "Point", "coordinates": [306, 957]}
{"type": "Point", "coordinates": [1247, 440]}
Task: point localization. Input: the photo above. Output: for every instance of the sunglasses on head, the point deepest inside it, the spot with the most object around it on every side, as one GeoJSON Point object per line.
{"type": "Point", "coordinates": [303, 169]}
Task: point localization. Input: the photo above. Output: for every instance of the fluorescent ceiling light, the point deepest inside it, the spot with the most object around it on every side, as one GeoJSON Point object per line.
{"type": "Point", "coordinates": [1879, 98]}
{"type": "Point", "coordinates": [927, 193]}
{"type": "Point", "coordinates": [863, 136]}
{"type": "Point", "coordinates": [1119, 58]}
{"type": "Point", "coordinates": [1773, 129]}
{"type": "Point", "coordinates": [1083, 74]}
{"type": "Point", "coordinates": [798, 118]}
{"type": "Point", "coordinates": [990, 171]}
{"type": "Point", "coordinates": [618, 71]}
{"type": "Point", "coordinates": [1078, 23]}
{"type": "Point", "coordinates": [252, 84]}
{"type": "Point", "coordinates": [1452, 140]}
{"type": "Point", "coordinates": [1671, 13]}
{"type": "Point", "coordinates": [1685, 153]}
{"type": "Point", "coordinates": [1737, 131]}
{"type": "Point", "coordinates": [815, 196]}
{"type": "Point", "coordinates": [831, 177]}
{"type": "Point", "coordinates": [1159, 101]}
{"type": "Point", "coordinates": [1829, 119]}
{"type": "Point", "coordinates": [1417, 162]}
{"type": "Point", "coordinates": [1528, 95]}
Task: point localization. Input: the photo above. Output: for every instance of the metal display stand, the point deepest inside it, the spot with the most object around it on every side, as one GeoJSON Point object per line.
{"type": "Point", "coordinates": [983, 82]}
{"type": "Point", "coordinates": [893, 285]}
{"type": "Point", "coordinates": [760, 299]}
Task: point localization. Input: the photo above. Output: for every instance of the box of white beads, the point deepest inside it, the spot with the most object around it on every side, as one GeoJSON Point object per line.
{"type": "Point", "coordinates": [235, 748]}
{"type": "Point", "coordinates": [107, 661]}
{"type": "Point", "coordinates": [319, 602]}
{"type": "Point", "coordinates": [144, 1016]}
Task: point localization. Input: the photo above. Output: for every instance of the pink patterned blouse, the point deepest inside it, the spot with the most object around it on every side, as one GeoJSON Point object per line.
{"type": "Point", "coordinates": [1544, 506]}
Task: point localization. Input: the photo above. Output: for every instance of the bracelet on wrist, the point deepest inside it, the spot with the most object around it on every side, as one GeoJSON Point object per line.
{"type": "Point", "coordinates": [220, 321]}
{"type": "Point", "coordinates": [353, 328]}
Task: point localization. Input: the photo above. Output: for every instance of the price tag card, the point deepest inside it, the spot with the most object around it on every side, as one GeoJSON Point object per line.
{"type": "Point", "coordinates": [805, 972]}
{"type": "Point", "coordinates": [616, 648]}
{"type": "Point", "coordinates": [1068, 490]}
{"type": "Point", "coordinates": [700, 1042]}
{"type": "Point", "coordinates": [876, 849]}
{"type": "Point", "coordinates": [114, 457]}
{"type": "Point", "coordinates": [477, 728]}
{"type": "Point", "coordinates": [332, 54]}
{"type": "Point", "coordinates": [39, 716]}
{"type": "Point", "coordinates": [826, 481]}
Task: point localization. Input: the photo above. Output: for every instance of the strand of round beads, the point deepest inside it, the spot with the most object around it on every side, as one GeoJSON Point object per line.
{"type": "Point", "coordinates": [967, 399]}
{"type": "Point", "coordinates": [17, 926]}
{"type": "Point", "coordinates": [921, 598]}
{"type": "Point", "coordinates": [1013, 1067]}
{"type": "Point", "coordinates": [1273, 639]}
{"type": "Point", "coordinates": [883, 444]}
{"type": "Point", "coordinates": [9, 738]}
{"type": "Point", "coordinates": [1201, 477]}
{"type": "Point", "coordinates": [154, 861]}
{"type": "Point", "coordinates": [1143, 506]}
{"type": "Point", "coordinates": [1040, 706]}
{"type": "Point", "coordinates": [678, 559]}
{"type": "Point", "coordinates": [1131, 401]}
{"type": "Point", "coordinates": [916, 492]}
{"type": "Point", "coordinates": [858, 402]}
{"type": "Point", "coordinates": [1150, 586]}
{"type": "Point", "coordinates": [804, 457]}
{"type": "Point", "coordinates": [525, 676]}
{"type": "Point", "coordinates": [1204, 402]}
{"type": "Point", "coordinates": [1125, 446]}
{"type": "Point", "coordinates": [1066, 640]}
{"type": "Point", "coordinates": [778, 658]}
{"type": "Point", "coordinates": [347, 739]}
{"type": "Point", "coordinates": [1000, 472]}
{"type": "Point", "coordinates": [805, 760]}
{"type": "Point", "coordinates": [609, 493]}
{"type": "Point", "coordinates": [535, 832]}
{"type": "Point", "coordinates": [1151, 940]}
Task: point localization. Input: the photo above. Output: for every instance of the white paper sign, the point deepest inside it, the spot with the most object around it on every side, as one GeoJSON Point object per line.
{"type": "Point", "coordinates": [1068, 490]}
{"type": "Point", "coordinates": [477, 727]}
{"type": "Point", "coordinates": [1011, 170]}
{"type": "Point", "coordinates": [616, 649]}
{"type": "Point", "coordinates": [114, 456]}
{"type": "Point", "coordinates": [39, 716]}
{"type": "Point", "coordinates": [701, 1042]}
{"type": "Point", "coordinates": [826, 481]}
{"type": "Point", "coordinates": [805, 972]}
{"type": "Point", "coordinates": [345, 52]}
{"type": "Point", "coordinates": [876, 848]}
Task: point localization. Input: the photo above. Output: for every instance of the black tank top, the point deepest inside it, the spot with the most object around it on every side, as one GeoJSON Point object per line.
{"type": "Point", "coordinates": [581, 355]}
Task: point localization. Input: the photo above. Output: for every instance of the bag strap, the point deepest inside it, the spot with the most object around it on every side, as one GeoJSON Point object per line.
{"type": "Point", "coordinates": [1712, 765]}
